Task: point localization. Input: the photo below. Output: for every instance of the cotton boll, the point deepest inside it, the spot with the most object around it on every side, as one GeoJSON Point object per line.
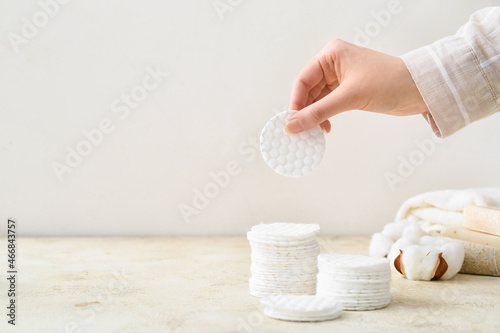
{"type": "Point", "coordinates": [395, 230]}
{"type": "Point", "coordinates": [413, 230]}
{"type": "Point", "coordinates": [415, 254]}
{"type": "Point", "coordinates": [453, 253]}
{"type": "Point", "coordinates": [380, 245]}
{"type": "Point", "coordinates": [426, 258]}
{"type": "Point", "coordinates": [419, 262]}
{"type": "Point", "coordinates": [400, 244]}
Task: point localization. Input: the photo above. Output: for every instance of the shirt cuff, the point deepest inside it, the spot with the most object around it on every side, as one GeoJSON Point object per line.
{"type": "Point", "coordinates": [449, 78]}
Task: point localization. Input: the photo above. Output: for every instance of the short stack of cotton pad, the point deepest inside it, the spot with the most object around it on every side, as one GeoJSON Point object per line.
{"type": "Point", "coordinates": [301, 307]}
{"type": "Point", "coordinates": [284, 259]}
{"type": "Point", "coordinates": [292, 155]}
{"type": "Point", "coordinates": [358, 282]}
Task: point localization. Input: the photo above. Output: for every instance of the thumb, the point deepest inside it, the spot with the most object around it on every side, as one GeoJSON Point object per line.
{"type": "Point", "coordinates": [316, 113]}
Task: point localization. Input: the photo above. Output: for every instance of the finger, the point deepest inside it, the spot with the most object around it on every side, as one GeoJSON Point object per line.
{"type": "Point", "coordinates": [322, 94]}
{"type": "Point", "coordinates": [326, 126]}
{"type": "Point", "coordinates": [313, 115]}
{"type": "Point", "coordinates": [315, 92]}
{"type": "Point", "coordinates": [306, 80]}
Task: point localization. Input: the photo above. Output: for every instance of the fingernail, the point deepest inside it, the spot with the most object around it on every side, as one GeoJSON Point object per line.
{"type": "Point", "coordinates": [324, 131]}
{"type": "Point", "coordinates": [294, 126]}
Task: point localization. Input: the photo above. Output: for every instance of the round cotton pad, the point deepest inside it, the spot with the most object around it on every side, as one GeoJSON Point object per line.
{"type": "Point", "coordinates": [301, 307]}
{"type": "Point", "coordinates": [284, 230]}
{"type": "Point", "coordinates": [292, 155]}
{"type": "Point", "coordinates": [358, 282]}
{"type": "Point", "coordinates": [284, 258]}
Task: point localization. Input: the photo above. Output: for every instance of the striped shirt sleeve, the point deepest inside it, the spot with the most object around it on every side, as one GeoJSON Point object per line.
{"type": "Point", "coordinates": [459, 76]}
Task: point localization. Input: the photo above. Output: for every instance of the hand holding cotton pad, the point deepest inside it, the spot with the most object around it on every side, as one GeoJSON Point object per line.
{"type": "Point", "coordinates": [291, 155]}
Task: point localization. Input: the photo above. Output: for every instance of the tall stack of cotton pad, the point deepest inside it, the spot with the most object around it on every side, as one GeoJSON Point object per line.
{"type": "Point", "coordinates": [301, 307]}
{"type": "Point", "coordinates": [284, 259]}
{"type": "Point", "coordinates": [358, 282]}
{"type": "Point", "coordinates": [292, 155]}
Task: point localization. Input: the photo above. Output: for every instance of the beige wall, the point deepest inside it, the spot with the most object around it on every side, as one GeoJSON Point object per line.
{"type": "Point", "coordinates": [205, 76]}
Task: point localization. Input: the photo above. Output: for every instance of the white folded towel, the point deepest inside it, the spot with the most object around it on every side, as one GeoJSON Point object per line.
{"type": "Point", "coordinates": [445, 207]}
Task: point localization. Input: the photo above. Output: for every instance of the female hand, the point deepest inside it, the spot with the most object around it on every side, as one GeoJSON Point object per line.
{"type": "Point", "coordinates": [346, 77]}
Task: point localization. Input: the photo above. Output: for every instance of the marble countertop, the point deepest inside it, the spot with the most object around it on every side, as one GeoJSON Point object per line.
{"type": "Point", "coordinates": [200, 284]}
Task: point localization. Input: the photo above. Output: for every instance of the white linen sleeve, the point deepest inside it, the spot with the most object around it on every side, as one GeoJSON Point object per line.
{"type": "Point", "coordinates": [459, 76]}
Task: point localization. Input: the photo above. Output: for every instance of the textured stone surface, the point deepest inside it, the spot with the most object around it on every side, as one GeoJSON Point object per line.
{"type": "Point", "coordinates": [201, 285]}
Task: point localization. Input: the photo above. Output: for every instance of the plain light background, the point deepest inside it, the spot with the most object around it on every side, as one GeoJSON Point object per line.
{"type": "Point", "coordinates": [229, 70]}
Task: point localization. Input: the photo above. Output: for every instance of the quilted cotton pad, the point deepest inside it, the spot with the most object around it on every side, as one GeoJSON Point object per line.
{"type": "Point", "coordinates": [354, 262]}
{"type": "Point", "coordinates": [292, 155]}
{"type": "Point", "coordinates": [303, 303]}
{"type": "Point", "coordinates": [301, 307]}
{"type": "Point", "coordinates": [357, 282]}
{"type": "Point", "coordinates": [284, 259]}
{"type": "Point", "coordinates": [285, 230]}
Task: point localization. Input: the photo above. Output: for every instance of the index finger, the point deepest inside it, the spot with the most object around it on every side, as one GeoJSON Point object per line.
{"type": "Point", "coordinates": [304, 82]}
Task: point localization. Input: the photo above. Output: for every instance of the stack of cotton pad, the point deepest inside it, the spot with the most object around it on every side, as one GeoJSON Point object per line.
{"type": "Point", "coordinates": [292, 155]}
{"type": "Point", "coordinates": [301, 307]}
{"type": "Point", "coordinates": [358, 282]}
{"type": "Point", "coordinates": [284, 259]}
